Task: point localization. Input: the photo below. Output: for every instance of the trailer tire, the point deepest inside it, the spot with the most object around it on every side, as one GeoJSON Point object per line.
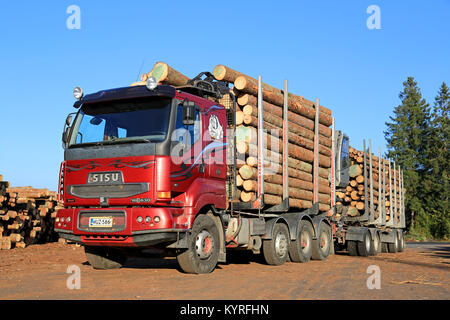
{"type": "Point", "coordinates": [401, 242]}
{"type": "Point", "coordinates": [365, 246]}
{"type": "Point", "coordinates": [202, 254]}
{"type": "Point", "coordinates": [375, 245]}
{"type": "Point", "coordinates": [276, 250]}
{"type": "Point", "coordinates": [393, 247]}
{"type": "Point", "coordinates": [104, 258]}
{"type": "Point", "coordinates": [322, 245]}
{"type": "Point", "coordinates": [300, 250]}
{"type": "Point", "coordinates": [352, 248]}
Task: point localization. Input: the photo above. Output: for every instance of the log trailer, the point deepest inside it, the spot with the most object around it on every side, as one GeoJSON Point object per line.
{"type": "Point", "coordinates": [154, 166]}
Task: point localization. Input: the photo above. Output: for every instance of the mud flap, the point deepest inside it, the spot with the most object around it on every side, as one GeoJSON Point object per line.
{"type": "Point", "coordinates": [218, 221]}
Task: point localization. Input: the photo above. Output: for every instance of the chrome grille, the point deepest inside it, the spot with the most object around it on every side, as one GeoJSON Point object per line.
{"type": "Point", "coordinates": [110, 191]}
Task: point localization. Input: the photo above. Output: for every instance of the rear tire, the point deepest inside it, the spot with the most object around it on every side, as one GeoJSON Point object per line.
{"type": "Point", "coordinates": [393, 247]}
{"type": "Point", "coordinates": [352, 248]}
{"type": "Point", "coordinates": [401, 242]}
{"type": "Point", "coordinates": [375, 245]}
{"type": "Point", "coordinates": [322, 245]}
{"type": "Point", "coordinates": [300, 250]}
{"type": "Point", "coordinates": [365, 246]}
{"type": "Point", "coordinates": [276, 250]}
{"type": "Point", "coordinates": [202, 254]}
{"type": "Point", "coordinates": [104, 258]}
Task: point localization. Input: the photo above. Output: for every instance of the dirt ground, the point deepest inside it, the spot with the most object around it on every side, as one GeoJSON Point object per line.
{"type": "Point", "coordinates": [40, 272]}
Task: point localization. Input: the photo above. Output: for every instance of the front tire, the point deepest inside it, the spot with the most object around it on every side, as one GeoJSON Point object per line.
{"type": "Point", "coordinates": [202, 254]}
{"type": "Point", "coordinates": [104, 258]}
{"type": "Point", "coordinates": [300, 250]}
{"type": "Point", "coordinates": [275, 250]}
{"type": "Point", "coordinates": [322, 245]}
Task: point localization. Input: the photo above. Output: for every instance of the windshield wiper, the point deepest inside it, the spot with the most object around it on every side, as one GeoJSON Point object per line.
{"type": "Point", "coordinates": [113, 141]}
{"type": "Point", "coordinates": [121, 140]}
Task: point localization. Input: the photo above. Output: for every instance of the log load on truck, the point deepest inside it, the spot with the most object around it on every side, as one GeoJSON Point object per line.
{"type": "Point", "coordinates": [221, 162]}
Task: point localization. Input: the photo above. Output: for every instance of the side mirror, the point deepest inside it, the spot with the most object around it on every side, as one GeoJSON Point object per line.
{"type": "Point", "coordinates": [69, 120]}
{"type": "Point", "coordinates": [188, 112]}
{"type": "Point", "coordinates": [65, 135]}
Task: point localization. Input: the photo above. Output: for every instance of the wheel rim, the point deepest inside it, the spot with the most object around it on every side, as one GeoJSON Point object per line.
{"type": "Point", "coordinates": [367, 242]}
{"type": "Point", "coordinates": [281, 244]}
{"type": "Point", "coordinates": [323, 241]}
{"type": "Point", "coordinates": [305, 241]}
{"type": "Point", "coordinates": [204, 244]}
{"type": "Point", "coordinates": [376, 243]}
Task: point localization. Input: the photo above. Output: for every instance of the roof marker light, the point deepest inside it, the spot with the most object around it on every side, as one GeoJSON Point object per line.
{"type": "Point", "coordinates": [151, 83]}
{"type": "Point", "coordinates": [78, 93]}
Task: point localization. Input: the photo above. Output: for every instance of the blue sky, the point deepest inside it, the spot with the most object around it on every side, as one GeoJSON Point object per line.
{"type": "Point", "coordinates": [323, 48]}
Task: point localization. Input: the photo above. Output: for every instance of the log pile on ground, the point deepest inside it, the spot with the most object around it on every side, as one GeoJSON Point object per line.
{"type": "Point", "coordinates": [26, 216]}
{"type": "Point", "coordinates": [301, 116]}
{"type": "Point", "coordinates": [353, 197]}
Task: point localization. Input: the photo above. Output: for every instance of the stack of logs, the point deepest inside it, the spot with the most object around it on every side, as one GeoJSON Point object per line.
{"type": "Point", "coordinates": [353, 198]}
{"type": "Point", "coordinates": [301, 117]}
{"type": "Point", "coordinates": [301, 138]}
{"type": "Point", "coordinates": [26, 216]}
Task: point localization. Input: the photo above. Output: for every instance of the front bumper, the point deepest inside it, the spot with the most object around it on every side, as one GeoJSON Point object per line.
{"type": "Point", "coordinates": [173, 238]}
{"type": "Point", "coordinates": [169, 227]}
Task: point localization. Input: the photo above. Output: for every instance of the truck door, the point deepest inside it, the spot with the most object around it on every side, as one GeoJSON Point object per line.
{"type": "Point", "coordinates": [186, 152]}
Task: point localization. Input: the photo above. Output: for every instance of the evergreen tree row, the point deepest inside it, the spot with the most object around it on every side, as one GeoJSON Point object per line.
{"type": "Point", "coordinates": [418, 137]}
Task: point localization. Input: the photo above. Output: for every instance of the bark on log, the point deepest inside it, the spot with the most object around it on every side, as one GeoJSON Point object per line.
{"type": "Point", "coordinates": [163, 73]}
{"type": "Point", "coordinates": [275, 96]}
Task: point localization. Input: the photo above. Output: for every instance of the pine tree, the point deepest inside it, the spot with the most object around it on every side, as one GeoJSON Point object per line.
{"type": "Point", "coordinates": [439, 165]}
{"type": "Point", "coordinates": [407, 136]}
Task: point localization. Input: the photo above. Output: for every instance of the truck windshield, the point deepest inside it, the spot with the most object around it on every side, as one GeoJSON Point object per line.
{"type": "Point", "coordinates": [123, 121]}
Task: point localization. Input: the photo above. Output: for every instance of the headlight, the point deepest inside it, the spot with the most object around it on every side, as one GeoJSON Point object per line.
{"type": "Point", "coordinates": [78, 93]}
{"type": "Point", "coordinates": [156, 219]}
{"type": "Point", "coordinates": [147, 219]}
{"type": "Point", "coordinates": [68, 219]}
{"type": "Point", "coordinates": [151, 83]}
{"type": "Point", "coordinates": [139, 219]}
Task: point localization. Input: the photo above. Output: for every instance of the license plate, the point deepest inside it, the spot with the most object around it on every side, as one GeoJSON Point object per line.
{"type": "Point", "coordinates": [100, 222]}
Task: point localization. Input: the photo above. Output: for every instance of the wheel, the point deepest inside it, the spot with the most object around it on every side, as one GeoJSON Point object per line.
{"type": "Point", "coordinates": [275, 250]}
{"type": "Point", "coordinates": [365, 246]}
{"type": "Point", "coordinates": [104, 258]}
{"type": "Point", "coordinates": [300, 250]}
{"type": "Point", "coordinates": [322, 245]}
{"type": "Point", "coordinates": [352, 248]}
{"type": "Point", "coordinates": [401, 242]}
{"type": "Point", "coordinates": [393, 247]}
{"type": "Point", "coordinates": [202, 254]}
{"type": "Point", "coordinates": [375, 245]}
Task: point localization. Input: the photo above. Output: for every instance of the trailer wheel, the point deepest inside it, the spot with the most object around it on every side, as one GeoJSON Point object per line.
{"type": "Point", "coordinates": [300, 250]}
{"type": "Point", "coordinates": [275, 250]}
{"type": "Point", "coordinates": [322, 245]}
{"type": "Point", "coordinates": [352, 248]}
{"type": "Point", "coordinates": [202, 254]}
{"type": "Point", "coordinates": [365, 246]}
{"type": "Point", "coordinates": [375, 245]}
{"type": "Point", "coordinates": [401, 242]}
{"type": "Point", "coordinates": [104, 258]}
{"type": "Point", "coordinates": [393, 247]}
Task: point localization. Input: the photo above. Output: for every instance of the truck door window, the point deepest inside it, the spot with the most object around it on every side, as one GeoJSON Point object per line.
{"type": "Point", "coordinates": [187, 134]}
